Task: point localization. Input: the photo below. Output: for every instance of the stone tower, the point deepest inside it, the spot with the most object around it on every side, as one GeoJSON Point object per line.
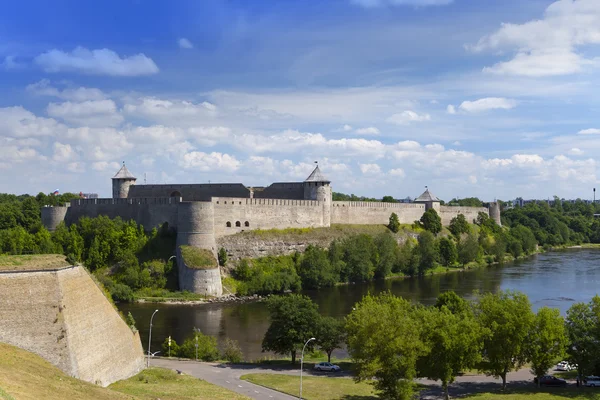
{"type": "Point", "coordinates": [429, 199]}
{"type": "Point", "coordinates": [316, 187]}
{"type": "Point", "coordinates": [495, 212]}
{"type": "Point", "coordinates": [121, 183]}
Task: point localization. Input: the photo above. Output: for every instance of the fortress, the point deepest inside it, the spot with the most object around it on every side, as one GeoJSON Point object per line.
{"type": "Point", "coordinates": [201, 213]}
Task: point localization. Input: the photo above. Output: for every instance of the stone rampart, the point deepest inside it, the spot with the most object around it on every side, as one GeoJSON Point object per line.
{"type": "Point", "coordinates": [233, 215]}
{"type": "Point", "coordinates": [63, 316]}
{"type": "Point", "coordinates": [470, 213]}
{"type": "Point", "coordinates": [195, 225]}
{"type": "Point", "coordinates": [374, 213]}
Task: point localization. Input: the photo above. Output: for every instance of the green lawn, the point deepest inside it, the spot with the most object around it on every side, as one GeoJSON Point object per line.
{"type": "Point", "coordinates": [540, 394]}
{"type": "Point", "coordinates": [313, 387]}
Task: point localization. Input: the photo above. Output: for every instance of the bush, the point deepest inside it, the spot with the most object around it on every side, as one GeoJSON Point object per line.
{"type": "Point", "coordinates": [121, 292]}
{"type": "Point", "coordinates": [173, 351]}
{"type": "Point", "coordinates": [222, 256]}
{"type": "Point", "coordinates": [394, 223]}
{"type": "Point", "coordinates": [207, 347]}
{"type": "Point", "coordinates": [267, 275]}
{"type": "Point", "coordinates": [232, 352]}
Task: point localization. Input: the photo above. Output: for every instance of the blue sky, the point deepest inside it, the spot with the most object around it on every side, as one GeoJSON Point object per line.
{"type": "Point", "coordinates": [495, 99]}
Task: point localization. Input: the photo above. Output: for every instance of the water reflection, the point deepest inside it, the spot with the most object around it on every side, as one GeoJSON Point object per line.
{"type": "Point", "coordinates": [555, 279]}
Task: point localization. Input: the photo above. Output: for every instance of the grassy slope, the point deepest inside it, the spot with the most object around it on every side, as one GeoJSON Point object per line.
{"type": "Point", "coordinates": [32, 262]}
{"type": "Point", "coordinates": [198, 258]}
{"type": "Point", "coordinates": [26, 376]}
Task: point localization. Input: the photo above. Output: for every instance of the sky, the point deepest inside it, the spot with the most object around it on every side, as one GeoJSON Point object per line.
{"type": "Point", "coordinates": [495, 99]}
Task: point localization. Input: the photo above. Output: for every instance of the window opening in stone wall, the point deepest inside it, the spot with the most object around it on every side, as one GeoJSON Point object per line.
{"type": "Point", "coordinates": [238, 223]}
{"type": "Point", "coordinates": [176, 194]}
{"type": "Point", "coordinates": [228, 224]}
{"type": "Point", "coordinates": [246, 223]}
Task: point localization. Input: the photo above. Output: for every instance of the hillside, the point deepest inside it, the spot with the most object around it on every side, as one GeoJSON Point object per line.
{"type": "Point", "coordinates": [26, 376]}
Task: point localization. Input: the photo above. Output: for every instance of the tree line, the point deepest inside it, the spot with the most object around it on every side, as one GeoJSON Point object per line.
{"type": "Point", "coordinates": [393, 341]}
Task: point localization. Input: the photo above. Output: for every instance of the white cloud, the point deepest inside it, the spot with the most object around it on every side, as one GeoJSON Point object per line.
{"type": "Point", "coordinates": [397, 172]}
{"type": "Point", "coordinates": [106, 166]}
{"type": "Point", "coordinates": [371, 130]}
{"type": "Point", "coordinates": [547, 46]}
{"type": "Point", "coordinates": [346, 128]}
{"type": "Point", "coordinates": [457, 143]}
{"type": "Point", "coordinates": [63, 152]}
{"type": "Point", "coordinates": [370, 169]}
{"type": "Point", "coordinates": [9, 63]}
{"type": "Point", "coordinates": [87, 113]}
{"type": "Point", "coordinates": [44, 88]}
{"type": "Point", "coordinates": [451, 109]}
{"type": "Point", "coordinates": [591, 131]}
{"type": "Point", "coordinates": [176, 112]}
{"type": "Point", "coordinates": [391, 3]}
{"type": "Point", "coordinates": [18, 122]}
{"type": "Point", "coordinates": [95, 62]}
{"type": "Point", "coordinates": [185, 43]}
{"type": "Point", "coordinates": [576, 151]}
{"type": "Point", "coordinates": [488, 103]}
{"type": "Point", "coordinates": [406, 117]}
{"type": "Point", "coordinates": [209, 162]}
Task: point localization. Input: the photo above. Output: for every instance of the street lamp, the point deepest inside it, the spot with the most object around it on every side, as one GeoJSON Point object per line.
{"type": "Point", "coordinates": [150, 338]}
{"type": "Point", "coordinates": [301, 363]}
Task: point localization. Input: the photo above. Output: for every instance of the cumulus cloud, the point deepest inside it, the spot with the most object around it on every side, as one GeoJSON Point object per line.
{"type": "Point", "coordinates": [576, 151]}
{"type": "Point", "coordinates": [406, 117]}
{"type": "Point", "coordinates": [371, 130]}
{"type": "Point", "coordinates": [209, 161]}
{"type": "Point", "coordinates": [171, 111]}
{"type": "Point", "coordinates": [591, 131]}
{"type": "Point", "coordinates": [488, 103]}
{"type": "Point", "coordinates": [397, 172]}
{"type": "Point", "coordinates": [370, 169]}
{"type": "Point", "coordinates": [185, 43]}
{"type": "Point", "coordinates": [392, 3]}
{"type": "Point", "coordinates": [21, 123]}
{"type": "Point", "coordinates": [451, 109]}
{"type": "Point", "coordinates": [548, 46]}
{"type": "Point", "coordinates": [95, 62]}
{"type": "Point", "coordinates": [45, 88]}
{"type": "Point", "coordinates": [106, 166]}
{"type": "Point", "coordinates": [87, 113]}
{"type": "Point", "coordinates": [63, 152]}
{"type": "Point", "coordinates": [10, 63]}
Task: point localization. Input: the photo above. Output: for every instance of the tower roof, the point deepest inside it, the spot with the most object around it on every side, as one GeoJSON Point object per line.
{"type": "Point", "coordinates": [317, 176]}
{"type": "Point", "coordinates": [124, 173]}
{"type": "Point", "coordinates": [426, 196]}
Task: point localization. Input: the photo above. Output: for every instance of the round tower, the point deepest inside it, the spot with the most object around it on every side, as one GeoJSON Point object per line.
{"type": "Point", "coordinates": [53, 216]}
{"type": "Point", "coordinates": [314, 181]}
{"type": "Point", "coordinates": [495, 212]}
{"type": "Point", "coordinates": [121, 183]}
{"type": "Point", "coordinates": [324, 196]}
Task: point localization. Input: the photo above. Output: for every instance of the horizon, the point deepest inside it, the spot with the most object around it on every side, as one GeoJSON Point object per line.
{"type": "Point", "coordinates": [488, 99]}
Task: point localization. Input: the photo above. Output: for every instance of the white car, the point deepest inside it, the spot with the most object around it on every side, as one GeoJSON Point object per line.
{"type": "Point", "coordinates": [591, 381]}
{"type": "Point", "coordinates": [326, 366]}
{"type": "Point", "coordinates": [564, 366]}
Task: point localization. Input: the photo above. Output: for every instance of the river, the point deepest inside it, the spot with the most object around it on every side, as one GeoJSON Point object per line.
{"type": "Point", "coordinates": [555, 279]}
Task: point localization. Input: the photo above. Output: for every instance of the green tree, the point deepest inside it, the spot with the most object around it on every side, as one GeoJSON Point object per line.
{"type": "Point", "coordinates": [330, 335]}
{"type": "Point", "coordinates": [384, 341]}
{"type": "Point", "coordinates": [394, 223]}
{"type": "Point", "coordinates": [525, 237]}
{"type": "Point", "coordinates": [359, 258]}
{"type": "Point", "coordinates": [509, 317]}
{"type": "Point", "coordinates": [453, 302]}
{"type": "Point", "coordinates": [431, 221]}
{"type": "Point", "coordinates": [172, 351]}
{"type": "Point", "coordinates": [469, 249]}
{"type": "Point", "coordinates": [232, 351]}
{"type": "Point", "coordinates": [388, 199]}
{"type": "Point", "coordinates": [203, 345]}
{"type": "Point", "coordinates": [582, 326]}
{"type": "Point", "coordinates": [427, 252]}
{"type": "Point", "coordinates": [459, 225]}
{"type": "Point", "coordinates": [386, 254]}
{"type": "Point", "coordinates": [222, 256]}
{"type": "Point", "coordinates": [294, 320]}
{"type": "Point", "coordinates": [546, 340]}
{"type": "Point", "coordinates": [131, 322]}
{"type": "Point", "coordinates": [315, 269]}
{"type": "Point", "coordinates": [448, 252]}
{"type": "Point", "coordinates": [455, 342]}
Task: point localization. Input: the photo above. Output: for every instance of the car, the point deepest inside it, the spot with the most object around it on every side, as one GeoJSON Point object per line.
{"type": "Point", "coordinates": [549, 380]}
{"type": "Point", "coordinates": [326, 366]}
{"type": "Point", "coordinates": [591, 381]}
{"type": "Point", "coordinates": [565, 366]}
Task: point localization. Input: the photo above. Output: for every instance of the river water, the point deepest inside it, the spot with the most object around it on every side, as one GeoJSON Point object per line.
{"type": "Point", "coordinates": [556, 279]}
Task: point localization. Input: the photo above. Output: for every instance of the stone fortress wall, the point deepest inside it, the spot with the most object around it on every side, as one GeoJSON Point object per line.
{"type": "Point", "coordinates": [202, 213]}
{"type": "Point", "coordinates": [68, 321]}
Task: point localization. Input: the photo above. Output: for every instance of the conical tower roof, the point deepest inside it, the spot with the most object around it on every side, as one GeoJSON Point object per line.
{"type": "Point", "coordinates": [426, 196]}
{"type": "Point", "coordinates": [317, 176]}
{"type": "Point", "coordinates": [124, 173]}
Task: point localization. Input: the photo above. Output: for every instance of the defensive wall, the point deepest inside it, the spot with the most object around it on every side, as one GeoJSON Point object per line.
{"type": "Point", "coordinates": [470, 213]}
{"type": "Point", "coordinates": [366, 212]}
{"type": "Point", "coordinates": [63, 316]}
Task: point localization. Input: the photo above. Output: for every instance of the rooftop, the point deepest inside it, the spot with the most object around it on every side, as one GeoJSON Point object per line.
{"type": "Point", "coordinates": [32, 262]}
{"type": "Point", "coordinates": [426, 196]}
{"type": "Point", "coordinates": [317, 176]}
{"type": "Point", "coordinates": [124, 173]}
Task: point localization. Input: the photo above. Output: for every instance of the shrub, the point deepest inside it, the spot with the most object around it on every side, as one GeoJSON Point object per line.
{"type": "Point", "coordinates": [173, 351]}
{"type": "Point", "coordinates": [207, 347]}
{"type": "Point", "coordinates": [222, 256]}
{"type": "Point", "coordinates": [394, 223]}
{"type": "Point", "coordinates": [232, 352]}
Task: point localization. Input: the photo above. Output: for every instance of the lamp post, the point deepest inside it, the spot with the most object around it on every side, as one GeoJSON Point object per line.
{"type": "Point", "coordinates": [150, 338]}
{"type": "Point", "coordinates": [301, 363]}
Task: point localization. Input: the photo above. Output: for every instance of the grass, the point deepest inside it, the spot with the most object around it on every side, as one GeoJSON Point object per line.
{"type": "Point", "coordinates": [164, 295]}
{"type": "Point", "coordinates": [27, 376]}
{"type": "Point", "coordinates": [230, 284]}
{"type": "Point", "coordinates": [159, 383]}
{"type": "Point", "coordinates": [314, 387]}
{"type": "Point", "coordinates": [539, 394]}
{"type": "Point", "coordinates": [32, 262]}
{"type": "Point", "coordinates": [198, 258]}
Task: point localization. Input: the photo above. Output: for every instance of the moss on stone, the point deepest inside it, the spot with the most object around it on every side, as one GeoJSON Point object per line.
{"type": "Point", "coordinates": [197, 258]}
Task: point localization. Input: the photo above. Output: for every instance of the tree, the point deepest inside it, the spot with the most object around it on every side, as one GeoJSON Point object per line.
{"type": "Point", "coordinates": [359, 258]}
{"type": "Point", "coordinates": [232, 351]}
{"type": "Point", "coordinates": [384, 341]}
{"type": "Point", "coordinates": [546, 340]}
{"type": "Point", "coordinates": [509, 317]}
{"type": "Point", "coordinates": [448, 252]}
{"type": "Point", "coordinates": [427, 252]}
{"type": "Point", "coordinates": [206, 349]}
{"type": "Point", "coordinates": [455, 342]}
{"type": "Point", "coordinates": [394, 223]}
{"type": "Point", "coordinates": [582, 326]}
{"type": "Point", "coordinates": [386, 254]}
{"type": "Point", "coordinates": [131, 322]}
{"type": "Point", "coordinates": [431, 221]}
{"type": "Point", "coordinates": [330, 335]}
{"type": "Point", "coordinates": [459, 225]}
{"type": "Point", "coordinates": [316, 270]}
{"type": "Point", "coordinates": [294, 320]}
{"type": "Point", "coordinates": [452, 302]}
{"type": "Point", "coordinates": [469, 249]}
{"type": "Point", "coordinates": [388, 199]}
{"type": "Point", "coordinates": [222, 256]}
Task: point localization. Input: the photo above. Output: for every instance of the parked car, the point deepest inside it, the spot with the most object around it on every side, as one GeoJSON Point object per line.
{"type": "Point", "coordinates": [549, 380]}
{"type": "Point", "coordinates": [565, 366]}
{"type": "Point", "coordinates": [591, 381]}
{"type": "Point", "coordinates": [326, 366]}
